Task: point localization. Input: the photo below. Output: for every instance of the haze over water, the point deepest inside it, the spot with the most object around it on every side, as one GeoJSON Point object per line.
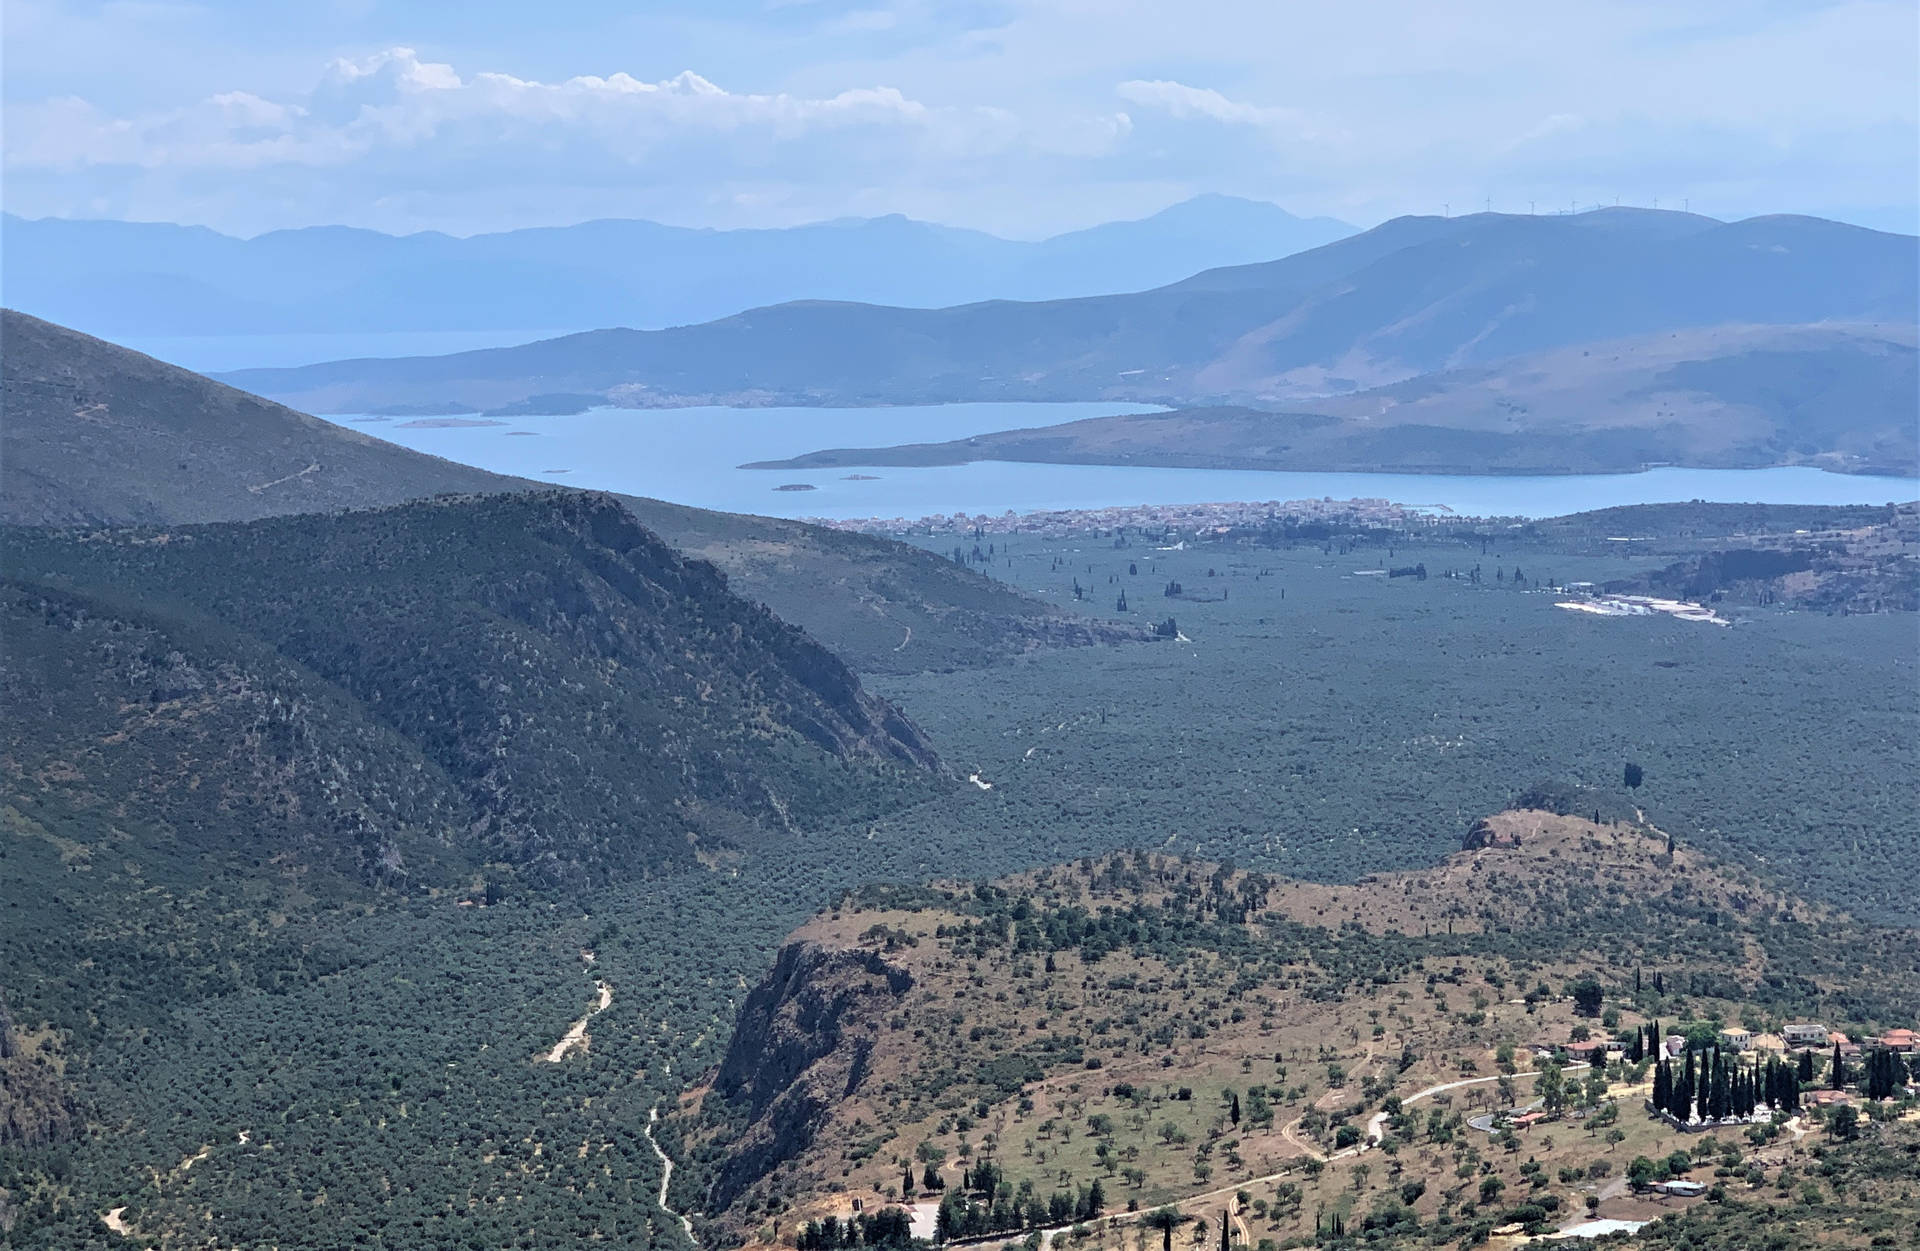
{"type": "Point", "coordinates": [691, 456]}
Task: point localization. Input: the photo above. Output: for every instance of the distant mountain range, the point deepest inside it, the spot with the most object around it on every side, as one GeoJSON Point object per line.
{"type": "Point", "coordinates": [1410, 297]}
{"type": "Point", "coordinates": [1841, 397]}
{"type": "Point", "coordinates": [139, 279]}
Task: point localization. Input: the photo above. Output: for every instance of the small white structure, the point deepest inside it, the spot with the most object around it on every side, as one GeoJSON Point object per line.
{"type": "Point", "coordinates": [1680, 1188]}
{"type": "Point", "coordinates": [1599, 1229]}
{"type": "Point", "coordinates": [1736, 1040]}
{"type": "Point", "coordinates": [1805, 1034]}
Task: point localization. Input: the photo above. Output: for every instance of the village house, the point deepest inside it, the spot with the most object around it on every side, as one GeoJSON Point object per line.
{"type": "Point", "coordinates": [1680, 1188]}
{"type": "Point", "coordinates": [1826, 1098]}
{"type": "Point", "coordinates": [1849, 1049]}
{"type": "Point", "coordinates": [1736, 1040]}
{"type": "Point", "coordinates": [1904, 1041]}
{"type": "Point", "coordinates": [1805, 1034]}
{"type": "Point", "coordinates": [1593, 1051]}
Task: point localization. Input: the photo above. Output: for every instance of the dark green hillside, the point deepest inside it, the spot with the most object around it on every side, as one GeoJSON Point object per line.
{"type": "Point", "coordinates": [886, 607]}
{"type": "Point", "coordinates": [96, 434]}
{"type": "Point", "coordinates": [593, 699]}
{"type": "Point", "coordinates": [99, 435]}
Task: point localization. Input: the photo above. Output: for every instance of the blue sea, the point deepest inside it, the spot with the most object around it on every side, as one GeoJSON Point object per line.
{"type": "Point", "coordinates": [692, 456]}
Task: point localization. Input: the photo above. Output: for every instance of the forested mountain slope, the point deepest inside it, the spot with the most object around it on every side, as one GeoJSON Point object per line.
{"type": "Point", "coordinates": [96, 434]}
{"type": "Point", "coordinates": [1411, 296]}
{"type": "Point", "coordinates": [529, 678]}
{"type": "Point", "coordinates": [887, 607]}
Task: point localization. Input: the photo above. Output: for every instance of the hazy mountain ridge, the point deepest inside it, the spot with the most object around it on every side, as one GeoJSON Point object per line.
{"type": "Point", "coordinates": [1412, 296]}
{"type": "Point", "coordinates": [131, 278]}
{"type": "Point", "coordinates": [1838, 397]}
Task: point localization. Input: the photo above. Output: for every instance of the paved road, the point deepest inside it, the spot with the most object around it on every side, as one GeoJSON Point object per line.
{"type": "Point", "coordinates": [1377, 1126]}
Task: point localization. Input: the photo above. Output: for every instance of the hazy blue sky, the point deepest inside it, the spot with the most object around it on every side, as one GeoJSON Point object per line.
{"type": "Point", "coordinates": [1019, 116]}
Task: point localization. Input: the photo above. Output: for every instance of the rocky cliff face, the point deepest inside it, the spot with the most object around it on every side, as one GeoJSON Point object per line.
{"type": "Point", "coordinates": [801, 1044]}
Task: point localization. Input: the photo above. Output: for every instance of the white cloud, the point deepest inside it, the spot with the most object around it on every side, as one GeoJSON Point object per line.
{"type": "Point", "coordinates": [1016, 115]}
{"type": "Point", "coordinates": [393, 102]}
{"type": "Point", "coordinates": [1184, 103]}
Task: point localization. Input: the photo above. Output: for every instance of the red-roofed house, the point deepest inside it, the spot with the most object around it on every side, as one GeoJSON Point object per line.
{"type": "Point", "coordinates": [1905, 1041]}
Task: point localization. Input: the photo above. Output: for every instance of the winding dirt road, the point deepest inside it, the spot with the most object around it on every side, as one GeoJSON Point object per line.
{"type": "Point", "coordinates": [666, 1173]}
{"type": "Point", "coordinates": [576, 1035]}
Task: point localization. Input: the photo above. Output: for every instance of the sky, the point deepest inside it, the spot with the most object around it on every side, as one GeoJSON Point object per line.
{"type": "Point", "coordinates": [1021, 117]}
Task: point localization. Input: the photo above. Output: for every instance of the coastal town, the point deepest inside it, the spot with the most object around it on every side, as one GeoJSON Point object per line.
{"type": "Point", "coordinates": [1213, 517]}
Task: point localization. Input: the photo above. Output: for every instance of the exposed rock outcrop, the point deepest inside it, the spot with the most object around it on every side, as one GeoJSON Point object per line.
{"type": "Point", "coordinates": [801, 1045]}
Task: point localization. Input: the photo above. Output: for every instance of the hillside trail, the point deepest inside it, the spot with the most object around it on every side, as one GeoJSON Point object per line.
{"type": "Point", "coordinates": [1042, 1092]}
{"type": "Point", "coordinates": [115, 1219]}
{"type": "Point", "coordinates": [1376, 1125]}
{"type": "Point", "coordinates": [1376, 1131]}
{"type": "Point", "coordinates": [666, 1173]}
{"type": "Point", "coordinates": [576, 1035]}
{"type": "Point", "coordinates": [1208, 1197]}
{"type": "Point", "coordinates": [292, 477]}
{"type": "Point", "coordinates": [1337, 1095]}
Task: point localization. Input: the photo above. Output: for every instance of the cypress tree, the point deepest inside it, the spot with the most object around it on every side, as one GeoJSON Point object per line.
{"type": "Point", "coordinates": [1884, 1073]}
{"type": "Point", "coordinates": [1838, 1077]}
{"type": "Point", "coordinates": [1806, 1066]}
